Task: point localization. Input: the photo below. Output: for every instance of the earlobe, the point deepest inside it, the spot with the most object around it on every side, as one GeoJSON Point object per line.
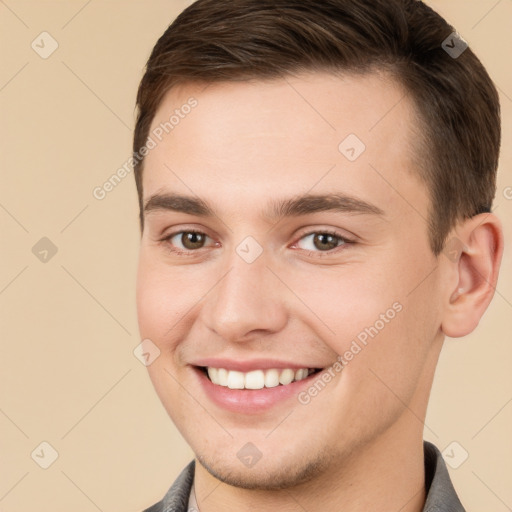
{"type": "Point", "coordinates": [476, 270]}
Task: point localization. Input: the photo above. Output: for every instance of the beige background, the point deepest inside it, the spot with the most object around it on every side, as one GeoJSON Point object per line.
{"type": "Point", "coordinates": [68, 325]}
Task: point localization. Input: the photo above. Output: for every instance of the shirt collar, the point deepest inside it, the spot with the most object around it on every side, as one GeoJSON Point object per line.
{"type": "Point", "coordinates": [441, 496]}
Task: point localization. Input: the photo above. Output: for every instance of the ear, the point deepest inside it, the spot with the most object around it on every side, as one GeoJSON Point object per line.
{"type": "Point", "coordinates": [474, 251]}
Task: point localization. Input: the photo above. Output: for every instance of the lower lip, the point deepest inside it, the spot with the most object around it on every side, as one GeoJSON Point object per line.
{"type": "Point", "coordinates": [251, 401]}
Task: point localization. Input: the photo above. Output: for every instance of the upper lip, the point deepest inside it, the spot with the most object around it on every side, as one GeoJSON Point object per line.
{"type": "Point", "coordinates": [252, 364]}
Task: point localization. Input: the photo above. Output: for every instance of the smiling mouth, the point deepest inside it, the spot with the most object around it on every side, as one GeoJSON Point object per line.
{"type": "Point", "coordinates": [256, 379]}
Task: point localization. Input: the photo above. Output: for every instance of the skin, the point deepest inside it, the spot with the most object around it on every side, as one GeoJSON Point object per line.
{"type": "Point", "coordinates": [359, 441]}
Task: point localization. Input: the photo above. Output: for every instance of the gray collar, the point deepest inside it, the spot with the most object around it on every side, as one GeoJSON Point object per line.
{"type": "Point", "coordinates": [441, 496]}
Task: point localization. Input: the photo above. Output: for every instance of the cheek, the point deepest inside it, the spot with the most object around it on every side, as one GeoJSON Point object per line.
{"type": "Point", "coordinates": [152, 304]}
{"type": "Point", "coordinates": [344, 303]}
{"type": "Point", "coordinates": [161, 312]}
{"type": "Point", "coordinates": [367, 318]}
{"type": "Point", "coordinates": [164, 298]}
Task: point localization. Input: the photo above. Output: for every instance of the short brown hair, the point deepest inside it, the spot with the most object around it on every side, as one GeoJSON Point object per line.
{"type": "Point", "coordinates": [458, 105]}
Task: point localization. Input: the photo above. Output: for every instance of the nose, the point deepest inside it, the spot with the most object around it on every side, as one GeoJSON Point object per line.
{"type": "Point", "coordinates": [248, 302]}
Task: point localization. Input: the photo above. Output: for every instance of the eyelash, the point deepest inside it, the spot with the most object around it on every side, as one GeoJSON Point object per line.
{"type": "Point", "coordinates": [317, 254]}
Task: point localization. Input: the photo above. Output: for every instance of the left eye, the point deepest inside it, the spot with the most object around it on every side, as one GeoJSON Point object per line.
{"type": "Point", "coordinates": [323, 241]}
{"type": "Point", "coordinates": [189, 240]}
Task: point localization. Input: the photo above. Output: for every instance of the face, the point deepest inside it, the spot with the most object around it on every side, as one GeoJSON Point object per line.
{"type": "Point", "coordinates": [272, 252]}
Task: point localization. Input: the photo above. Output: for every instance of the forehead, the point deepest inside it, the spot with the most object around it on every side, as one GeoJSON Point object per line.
{"type": "Point", "coordinates": [350, 133]}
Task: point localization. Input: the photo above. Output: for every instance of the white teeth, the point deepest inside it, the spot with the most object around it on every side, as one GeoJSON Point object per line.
{"type": "Point", "coordinates": [286, 376]}
{"type": "Point", "coordinates": [222, 377]}
{"type": "Point", "coordinates": [235, 380]}
{"type": "Point", "coordinates": [256, 379]}
{"type": "Point", "coordinates": [271, 378]}
{"type": "Point", "coordinates": [301, 374]}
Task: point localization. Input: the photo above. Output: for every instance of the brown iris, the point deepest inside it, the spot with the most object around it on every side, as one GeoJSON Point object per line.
{"type": "Point", "coordinates": [325, 241]}
{"type": "Point", "coordinates": [191, 240]}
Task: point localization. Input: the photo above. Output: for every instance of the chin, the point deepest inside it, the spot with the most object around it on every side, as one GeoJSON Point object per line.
{"type": "Point", "coordinates": [265, 476]}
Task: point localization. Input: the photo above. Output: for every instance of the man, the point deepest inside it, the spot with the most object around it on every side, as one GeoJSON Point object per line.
{"type": "Point", "coordinates": [315, 184]}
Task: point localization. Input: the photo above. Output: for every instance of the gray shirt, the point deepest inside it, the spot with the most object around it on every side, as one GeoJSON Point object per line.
{"type": "Point", "coordinates": [441, 496]}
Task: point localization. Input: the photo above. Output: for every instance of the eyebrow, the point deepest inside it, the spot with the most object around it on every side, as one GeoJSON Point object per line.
{"type": "Point", "coordinates": [276, 209]}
